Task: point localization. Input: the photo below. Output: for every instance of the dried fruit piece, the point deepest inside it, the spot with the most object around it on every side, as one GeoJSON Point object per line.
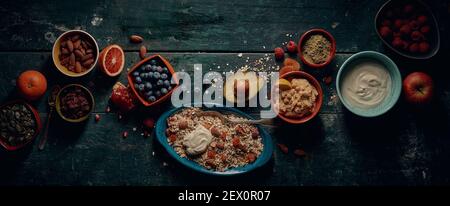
{"type": "Point", "coordinates": [136, 39]}
{"type": "Point", "coordinates": [251, 157]}
{"type": "Point", "coordinates": [211, 154]}
{"type": "Point", "coordinates": [286, 69]}
{"type": "Point", "coordinates": [142, 52]}
{"type": "Point", "coordinates": [300, 152]}
{"type": "Point", "coordinates": [292, 62]}
{"type": "Point", "coordinates": [215, 132]}
{"type": "Point", "coordinates": [172, 138]}
{"type": "Point", "coordinates": [183, 124]}
{"type": "Point", "coordinates": [236, 142]}
{"type": "Point", "coordinates": [283, 148]}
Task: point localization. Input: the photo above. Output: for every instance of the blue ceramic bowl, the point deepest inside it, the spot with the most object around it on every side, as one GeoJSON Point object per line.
{"type": "Point", "coordinates": [396, 79]}
{"type": "Point", "coordinates": [264, 157]}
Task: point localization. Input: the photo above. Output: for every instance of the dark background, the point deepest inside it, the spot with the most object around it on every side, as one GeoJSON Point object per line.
{"type": "Point", "coordinates": [408, 146]}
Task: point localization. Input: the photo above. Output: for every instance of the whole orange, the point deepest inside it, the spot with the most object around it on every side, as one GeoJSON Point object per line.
{"type": "Point", "coordinates": [31, 84]}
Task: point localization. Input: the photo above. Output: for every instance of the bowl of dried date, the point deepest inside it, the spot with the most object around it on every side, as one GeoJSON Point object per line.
{"type": "Point", "coordinates": [409, 28]}
{"type": "Point", "coordinates": [74, 103]}
{"type": "Point", "coordinates": [75, 53]}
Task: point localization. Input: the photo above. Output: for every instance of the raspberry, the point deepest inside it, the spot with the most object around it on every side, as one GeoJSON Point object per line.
{"type": "Point", "coordinates": [385, 32]}
{"type": "Point", "coordinates": [279, 53]}
{"type": "Point", "coordinates": [424, 47]}
{"type": "Point", "coordinates": [397, 43]}
{"type": "Point", "coordinates": [422, 19]}
{"type": "Point", "coordinates": [292, 47]}
{"type": "Point", "coordinates": [416, 36]}
{"type": "Point", "coordinates": [405, 29]}
{"type": "Point", "coordinates": [413, 48]}
{"type": "Point", "coordinates": [125, 134]}
{"type": "Point", "coordinates": [425, 29]}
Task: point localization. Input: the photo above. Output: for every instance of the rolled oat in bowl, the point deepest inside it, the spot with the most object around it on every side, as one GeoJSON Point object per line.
{"type": "Point", "coordinates": [213, 144]}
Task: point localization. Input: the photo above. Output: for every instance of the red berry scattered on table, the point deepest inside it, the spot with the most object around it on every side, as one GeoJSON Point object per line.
{"type": "Point", "coordinates": [279, 53]}
{"type": "Point", "coordinates": [292, 47]}
{"type": "Point", "coordinates": [97, 117]}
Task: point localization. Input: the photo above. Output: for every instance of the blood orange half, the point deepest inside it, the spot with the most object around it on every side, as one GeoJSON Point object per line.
{"type": "Point", "coordinates": [112, 60]}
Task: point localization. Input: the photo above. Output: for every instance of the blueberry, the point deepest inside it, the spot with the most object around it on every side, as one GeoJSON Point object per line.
{"type": "Point", "coordinates": [141, 87]}
{"type": "Point", "coordinates": [142, 68]}
{"type": "Point", "coordinates": [150, 75]}
{"type": "Point", "coordinates": [166, 83]}
{"type": "Point", "coordinates": [138, 80]}
{"type": "Point", "coordinates": [148, 94]}
{"type": "Point", "coordinates": [158, 93]}
{"type": "Point", "coordinates": [136, 73]}
{"type": "Point", "coordinates": [169, 88]}
{"type": "Point", "coordinates": [136, 86]}
{"type": "Point", "coordinates": [153, 62]}
{"type": "Point", "coordinates": [156, 75]}
{"type": "Point", "coordinates": [148, 67]}
{"type": "Point", "coordinates": [152, 98]}
{"type": "Point", "coordinates": [164, 91]}
{"type": "Point", "coordinates": [165, 70]}
{"type": "Point", "coordinates": [159, 69]}
{"type": "Point", "coordinates": [148, 86]}
{"type": "Point", "coordinates": [164, 76]}
{"type": "Point", "coordinates": [159, 82]}
{"type": "Point", "coordinates": [154, 68]}
{"type": "Point", "coordinates": [142, 75]}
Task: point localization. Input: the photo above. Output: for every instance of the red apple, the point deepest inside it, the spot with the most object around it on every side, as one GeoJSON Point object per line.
{"type": "Point", "coordinates": [418, 88]}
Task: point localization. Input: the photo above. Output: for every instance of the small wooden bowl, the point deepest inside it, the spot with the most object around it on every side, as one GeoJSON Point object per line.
{"type": "Point", "coordinates": [56, 52]}
{"type": "Point", "coordinates": [139, 64]}
{"type": "Point", "coordinates": [38, 126]}
{"type": "Point", "coordinates": [58, 103]}
{"type": "Point", "coordinates": [305, 37]}
{"type": "Point", "coordinates": [313, 81]}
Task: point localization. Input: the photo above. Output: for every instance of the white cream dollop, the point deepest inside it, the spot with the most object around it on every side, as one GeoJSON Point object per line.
{"type": "Point", "coordinates": [197, 141]}
{"type": "Point", "coordinates": [366, 85]}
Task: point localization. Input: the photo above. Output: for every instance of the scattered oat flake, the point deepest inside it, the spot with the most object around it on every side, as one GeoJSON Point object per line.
{"type": "Point", "coordinates": [120, 116]}
{"type": "Point", "coordinates": [334, 25]}
{"type": "Point", "coordinates": [165, 164]}
{"type": "Point", "coordinates": [153, 153]}
{"type": "Point", "coordinates": [239, 55]}
{"type": "Point", "coordinates": [108, 109]}
{"type": "Point", "coordinates": [134, 129]}
{"type": "Point", "coordinates": [299, 152]}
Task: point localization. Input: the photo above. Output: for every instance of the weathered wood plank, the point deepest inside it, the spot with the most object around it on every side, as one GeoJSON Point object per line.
{"type": "Point", "coordinates": [192, 25]}
{"type": "Point", "coordinates": [342, 150]}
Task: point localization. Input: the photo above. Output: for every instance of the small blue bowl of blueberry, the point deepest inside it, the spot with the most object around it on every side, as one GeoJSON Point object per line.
{"type": "Point", "coordinates": [152, 80]}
